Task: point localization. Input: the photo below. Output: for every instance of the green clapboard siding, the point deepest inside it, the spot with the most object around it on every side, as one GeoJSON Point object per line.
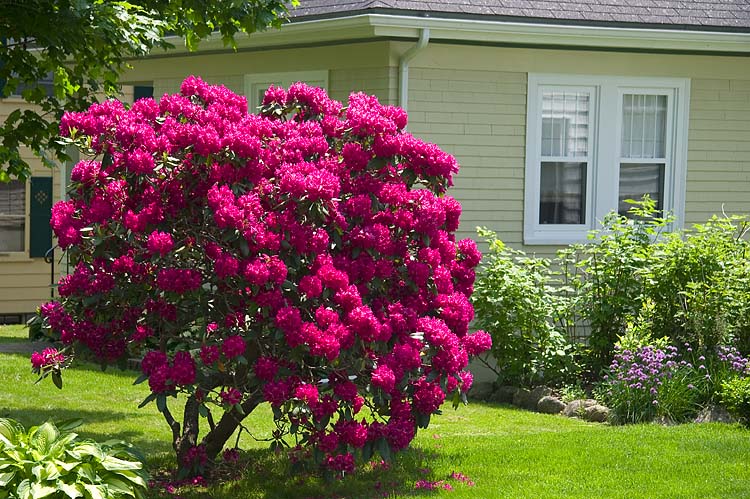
{"type": "Point", "coordinates": [41, 208]}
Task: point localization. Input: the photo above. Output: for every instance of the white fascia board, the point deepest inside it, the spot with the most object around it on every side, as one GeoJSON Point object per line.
{"type": "Point", "coordinates": [293, 33]}
{"type": "Point", "coordinates": [561, 35]}
{"type": "Point", "coordinates": [363, 26]}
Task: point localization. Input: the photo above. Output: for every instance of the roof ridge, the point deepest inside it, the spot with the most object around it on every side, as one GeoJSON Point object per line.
{"type": "Point", "coordinates": [374, 4]}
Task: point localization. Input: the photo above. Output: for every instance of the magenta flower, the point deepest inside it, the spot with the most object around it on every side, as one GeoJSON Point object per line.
{"type": "Point", "coordinates": [160, 243]}
{"type": "Point", "coordinates": [234, 346]}
{"type": "Point", "coordinates": [49, 357]}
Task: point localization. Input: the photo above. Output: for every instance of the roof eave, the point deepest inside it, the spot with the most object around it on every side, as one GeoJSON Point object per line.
{"type": "Point", "coordinates": [378, 26]}
{"type": "Point", "coordinates": [292, 33]}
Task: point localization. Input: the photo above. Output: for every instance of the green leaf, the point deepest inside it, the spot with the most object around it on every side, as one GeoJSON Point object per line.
{"type": "Point", "coordinates": [38, 491]}
{"type": "Point", "coordinates": [117, 486]}
{"type": "Point", "coordinates": [9, 431]}
{"type": "Point", "coordinates": [151, 397]}
{"type": "Point", "coordinates": [367, 451]}
{"type": "Point", "coordinates": [85, 449]}
{"type": "Point", "coordinates": [24, 490]}
{"type": "Point", "coordinates": [96, 491]}
{"type": "Point", "coordinates": [161, 402]}
{"type": "Point", "coordinates": [111, 463]}
{"type": "Point", "coordinates": [135, 477]}
{"type": "Point", "coordinates": [43, 436]}
{"type": "Point", "coordinates": [384, 449]}
{"type": "Point", "coordinates": [72, 491]}
{"type": "Point", "coordinates": [423, 420]}
{"type": "Point", "coordinates": [57, 379]}
{"type": "Point", "coordinates": [86, 471]}
{"type": "Point", "coordinates": [67, 465]}
{"type": "Point", "coordinates": [6, 478]}
{"type": "Point", "coordinates": [67, 425]}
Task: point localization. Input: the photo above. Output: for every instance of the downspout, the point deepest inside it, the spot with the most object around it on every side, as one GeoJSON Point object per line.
{"type": "Point", "coordinates": [403, 67]}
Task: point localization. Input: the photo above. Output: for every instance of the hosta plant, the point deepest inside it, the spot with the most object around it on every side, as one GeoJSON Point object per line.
{"type": "Point", "coordinates": [305, 257]}
{"type": "Point", "coordinates": [51, 461]}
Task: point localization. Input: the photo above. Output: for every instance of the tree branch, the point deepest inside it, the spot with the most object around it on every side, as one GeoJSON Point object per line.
{"type": "Point", "coordinates": [173, 425]}
{"type": "Point", "coordinates": [217, 437]}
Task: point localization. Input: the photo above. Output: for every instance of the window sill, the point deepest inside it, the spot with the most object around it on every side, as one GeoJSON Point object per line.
{"type": "Point", "coordinates": [556, 238]}
{"type": "Point", "coordinates": [16, 257]}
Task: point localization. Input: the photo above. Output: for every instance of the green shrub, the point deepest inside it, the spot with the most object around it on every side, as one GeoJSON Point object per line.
{"type": "Point", "coordinates": [606, 277]}
{"type": "Point", "coordinates": [698, 283]}
{"type": "Point", "coordinates": [514, 302]}
{"type": "Point", "coordinates": [735, 395]}
{"type": "Point", "coordinates": [691, 286]}
{"type": "Point", "coordinates": [634, 279]}
{"type": "Point", "coordinates": [50, 461]}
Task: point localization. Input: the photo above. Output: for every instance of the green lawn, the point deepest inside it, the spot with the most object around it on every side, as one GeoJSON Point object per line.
{"type": "Point", "coordinates": [10, 334]}
{"type": "Point", "coordinates": [506, 452]}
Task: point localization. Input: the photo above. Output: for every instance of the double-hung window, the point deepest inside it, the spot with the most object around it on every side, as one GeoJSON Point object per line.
{"type": "Point", "coordinates": [12, 216]}
{"type": "Point", "coordinates": [593, 142]}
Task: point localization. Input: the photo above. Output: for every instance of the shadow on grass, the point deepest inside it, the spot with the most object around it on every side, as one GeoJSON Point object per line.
{"type": "Point", "coordinates": [34, 417]}
{"type": "Point", "coordinates": [125, 370]}
{"type": "Point", "coordinates": [265, 474]}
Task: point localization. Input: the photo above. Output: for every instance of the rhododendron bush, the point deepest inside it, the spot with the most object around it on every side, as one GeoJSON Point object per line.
{"type": "Point", "coordinates": [303, 257]}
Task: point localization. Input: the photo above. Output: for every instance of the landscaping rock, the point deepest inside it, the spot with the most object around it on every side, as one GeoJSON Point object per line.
{"type": "Point", "coordinates": [539, 392]}
{"type": "Point", "coordinates": [530, 399]}
{"type": "Point", "coordinates": [550, 405]}
{"type": "Point", "coordinates": [714, 414]}
{"type": "Point", "coordinates": [504, 394]}
{"type": "Point", "coordinates": [522, 398]}
{"type": "Point", "coordinates": [481, 391]}
{"type": "Point", "coordinates": [575, 408]}
{"type": "Point", "coordinates": [596, 413]}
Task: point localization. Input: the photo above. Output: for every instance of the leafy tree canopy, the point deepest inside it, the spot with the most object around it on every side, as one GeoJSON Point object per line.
{"type": "Point", "coordinates": [82, 47]}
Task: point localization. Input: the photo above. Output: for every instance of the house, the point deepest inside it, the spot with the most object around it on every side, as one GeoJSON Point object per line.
{"type": "Point", "coordinates": [557, 111]}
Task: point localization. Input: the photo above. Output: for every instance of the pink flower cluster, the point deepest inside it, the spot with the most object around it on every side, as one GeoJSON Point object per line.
{"type": "Point", "coordinates": [165, 375]}
{"type": "Point", "coordinates": [47, 358]}
{"type": "Point", "coordinates": [307, 253]}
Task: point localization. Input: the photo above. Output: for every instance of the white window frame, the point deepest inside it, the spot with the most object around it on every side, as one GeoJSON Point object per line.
{"type": "Point", "coordinates": [257, 81]}
{"type": "Point", "coordinates": [604, 155]}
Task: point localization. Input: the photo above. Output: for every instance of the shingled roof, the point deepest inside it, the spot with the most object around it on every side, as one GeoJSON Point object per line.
{"type": "Point", "coordinates": [723, 15]}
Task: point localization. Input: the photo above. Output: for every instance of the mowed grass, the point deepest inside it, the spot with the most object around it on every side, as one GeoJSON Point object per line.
{"type": "Point", "coordinates": [14, 333]}
{"type": "Point", "coordinates": [507, 453]}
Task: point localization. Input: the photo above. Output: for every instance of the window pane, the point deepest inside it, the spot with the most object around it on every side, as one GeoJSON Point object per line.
{"type": "Point", "coordinates": [637, 180]}
{"type": "Point", "coordinates": [11, 234]}
{"type": "Point", "coordinates": [644, 126]}
{"type": "Point", "coordinates": [12, 215]}
{"type": "Point", "coordinates": [565, 124]}
{"type": "Point", "coordinates": [563, 193]}
{"type": "Point", "coordinates": [12, 198]}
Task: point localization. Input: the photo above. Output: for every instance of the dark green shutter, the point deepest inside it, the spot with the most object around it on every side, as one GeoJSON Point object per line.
{"type": "Point", "coordinates": [141, 92]}
{"type": "Point", "coordinates": [41, 209]}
